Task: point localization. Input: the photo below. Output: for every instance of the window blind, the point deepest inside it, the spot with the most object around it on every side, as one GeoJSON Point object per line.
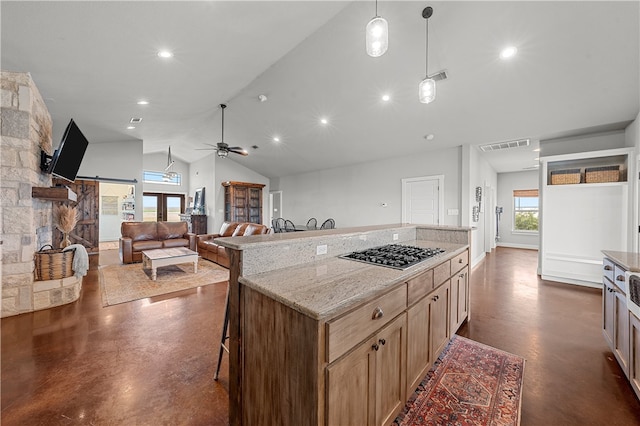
{"type": "Point", "coordinates": [525, 192]}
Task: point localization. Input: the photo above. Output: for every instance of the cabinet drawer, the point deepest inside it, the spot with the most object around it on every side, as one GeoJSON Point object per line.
{"type": "Point", "coordinates": [608, 269]}
{"type": "Point", "coordinates": [460, 261]}
{"type": "Point", "coordinates": [419, 286]}
{"type": "Point", "coordinates": [441, 273]}
{"type": "Point", "coordinates": [349, 330]}
{"type": "Point", "coordinates": [619, 278]}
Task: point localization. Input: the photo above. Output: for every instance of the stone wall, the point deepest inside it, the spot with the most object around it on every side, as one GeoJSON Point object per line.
{"type": "Point", "coordinates": [26, 222]}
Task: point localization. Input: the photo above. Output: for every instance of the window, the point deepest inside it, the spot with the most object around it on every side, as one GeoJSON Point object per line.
{"type": "Point", "coordinates": [162, 178]}
{"type": "Point", "coordinates": [158, 207]}
{"type": "Point", "coordinates": [525, 210]}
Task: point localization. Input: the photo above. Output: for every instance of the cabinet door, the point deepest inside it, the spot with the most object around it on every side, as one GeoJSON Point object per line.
{"type": "Point", "coordinates": [240, 203]}
{"type": "Point", "coordinates": [634, 353]}
{"type": "Point", "coordinates": [418, 357]}
{"type": "Point", "coordinates": [351, 388]}
{"type": "Point", "coordinates": [621, 338]}
{"type": "Point", "coordinates": [608, 313]}
{"type": "Point", "coordinates": [255, 205]}
{"type": "Point", "coordinates": [459, 307]}
{"type": "Point", "coordinates": [439, 321]}
{"type": "Point", "coordinates": [390, 371]}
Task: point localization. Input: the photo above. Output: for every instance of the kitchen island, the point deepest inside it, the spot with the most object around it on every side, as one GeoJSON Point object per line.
{"type": "Point", "coordinates": [317, 339]}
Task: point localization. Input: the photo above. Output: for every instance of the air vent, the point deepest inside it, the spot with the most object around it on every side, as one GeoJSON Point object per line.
{"type": "Point", "coordinates": [440, 75]}
{"type": "Point", "coordinates": [135, 120]}
{"type": "Point", "coordinates": [505, 145]}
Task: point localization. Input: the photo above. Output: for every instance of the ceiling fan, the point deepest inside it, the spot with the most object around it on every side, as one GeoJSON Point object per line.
{"type": "Point", "coordinates": [222, 148]}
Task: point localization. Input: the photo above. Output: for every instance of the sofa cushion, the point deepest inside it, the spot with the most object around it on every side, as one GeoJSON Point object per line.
{"type": "Point", "coordinates": [169, 230]}
{"type": "Point", "coordinates": [146, 245]}
{"type": "Point", "coordinates": [139, 231]}
{"type": "Point", "coordinates": [227, 229]}
{"type": "Point", "coordinates": [176, 242]}
{"type": "Point", "coordinates": [240, 229]}
{"type": "Point", "coordinates": [254, 229]}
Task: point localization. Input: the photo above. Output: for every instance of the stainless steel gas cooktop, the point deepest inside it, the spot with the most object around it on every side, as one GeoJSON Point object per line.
{"type": "Point", "coordinates": [395, 256]}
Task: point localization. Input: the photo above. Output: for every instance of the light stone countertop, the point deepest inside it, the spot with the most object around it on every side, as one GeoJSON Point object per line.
{"type": "Point", "coordinates": [630, 261]}
{"type": "Point", "coordinates": [325, 288]}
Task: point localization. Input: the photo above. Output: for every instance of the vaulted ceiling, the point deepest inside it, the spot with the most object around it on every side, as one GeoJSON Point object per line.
{"type": "Point", "coordinates": [577, 67]}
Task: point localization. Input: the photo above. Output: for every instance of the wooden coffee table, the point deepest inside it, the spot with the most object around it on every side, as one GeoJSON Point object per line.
{"type": "Point", "coordinates": [168, 256]}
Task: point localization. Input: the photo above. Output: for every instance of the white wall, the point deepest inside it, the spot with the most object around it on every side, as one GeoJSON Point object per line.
{"type": "Point", "coordinates": [353, 196]}
{"type": "Point", "coordinates": [584, 143]}
{"type": "Point", "coordinates": [480, 174]}
{"type": "Point", "coordinates": [157, 162]}
{"type": "Point", "coordinates": [632, 140]}
{"type": "Point", "coordinates": [507, 183]}
{"type": "Point", "coordinates": [228, 170]}
{"type": "Point", "coordinates": [202, 175]}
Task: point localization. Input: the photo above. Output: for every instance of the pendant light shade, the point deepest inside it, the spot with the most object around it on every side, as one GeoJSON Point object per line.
{"type": "Point", "coordinates": [427, 90]}
{"type": "Point", "coordinates": [427, 87]}
{"type": "Point", "coordinates": [377, 32]}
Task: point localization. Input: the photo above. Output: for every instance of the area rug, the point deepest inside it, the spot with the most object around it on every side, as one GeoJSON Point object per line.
{"type": "Point", "coordinates": [124, 283]}
{"type": "Point", "coordinates": [470, 384]}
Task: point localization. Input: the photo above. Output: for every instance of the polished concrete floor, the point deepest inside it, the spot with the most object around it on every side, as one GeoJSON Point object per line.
{"type": "Point", "coordinates": [151, 362]}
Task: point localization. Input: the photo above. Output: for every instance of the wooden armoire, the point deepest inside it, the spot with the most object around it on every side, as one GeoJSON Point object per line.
{"type": "Point", "coordinates": [243, 202]}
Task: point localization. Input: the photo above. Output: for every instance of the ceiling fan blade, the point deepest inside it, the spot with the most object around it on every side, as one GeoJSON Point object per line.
{"type": "Point", "coordinates": [238, 150]}
{"type": "Point", "coordinates": [206, 149]}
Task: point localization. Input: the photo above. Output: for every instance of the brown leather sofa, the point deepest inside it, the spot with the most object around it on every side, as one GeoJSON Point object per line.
{"type": "Point", "coordinates": [139, 236]}
{"type": "Point", "coordinates": [208, 249]}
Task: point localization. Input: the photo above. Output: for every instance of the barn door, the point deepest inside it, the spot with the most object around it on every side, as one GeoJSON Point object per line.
{"type": "Point", "coordinates": [86, 231]}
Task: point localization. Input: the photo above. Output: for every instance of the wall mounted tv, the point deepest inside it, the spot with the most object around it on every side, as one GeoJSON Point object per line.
{"type": "Point", "coordinates": [65, 161]}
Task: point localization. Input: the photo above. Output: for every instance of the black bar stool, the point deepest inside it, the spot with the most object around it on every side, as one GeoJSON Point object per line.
{"type": "Point", "coordinates": [225, 336]}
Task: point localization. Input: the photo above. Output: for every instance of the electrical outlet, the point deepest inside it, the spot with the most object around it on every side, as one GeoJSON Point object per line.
{"type": "Point", "coordinates": [321, 249]}
{"type": "Point", "coordinates": [395, 237]}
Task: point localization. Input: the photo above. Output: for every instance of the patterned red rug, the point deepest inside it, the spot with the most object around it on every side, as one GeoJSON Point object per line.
{"type": "Point", "coordinates": [470, 384]}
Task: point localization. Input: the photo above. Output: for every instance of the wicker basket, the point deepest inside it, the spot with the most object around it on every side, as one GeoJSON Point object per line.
{"type": "Point", "coordinates": [565, 177]}
{"type": "Point", "coordinates": [53, 264]}
{"type": "Point", "coordinates": [602, 174]}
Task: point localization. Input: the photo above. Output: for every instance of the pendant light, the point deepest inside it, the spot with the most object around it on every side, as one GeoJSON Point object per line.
{"type": "Point", "coordinates": [377, 32]}
{"type": "Point", "coordinates": [427, 87]}
{"type": "Point", "coordinates": [169, 174]}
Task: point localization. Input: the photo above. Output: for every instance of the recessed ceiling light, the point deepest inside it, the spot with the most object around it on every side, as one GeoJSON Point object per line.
{"type": "Point", "coordinates": [165, 54]}
{"type": "Point", "coordinates": [386, 97]}
{"type": "Point", "coordinates": [536, 150]}
{"type": "Point", "coordinates": [143, 102]}
{"type": "Point", "coordinates": [508, 52]}
{"type": "Point", "coordinates": [276, 139]}
{"type": "Point", "coordinates": [324, 121]}
{"type": "Point", "coordinates": [131, 127]}
{"type": "Point", "coordinates": [429, 137]}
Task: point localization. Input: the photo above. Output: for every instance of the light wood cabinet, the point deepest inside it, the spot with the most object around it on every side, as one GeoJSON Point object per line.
{"type": "Point", "coordinates": [367, 386]}
{"type": "Point", "coordinates": [615, 315]}
{"type": "Point", "coordinates": [621, 337]}
{"type": "Point", "coordinates": [242, 202]}
{"type": "Point", "coordinates": [459, 307]}
{"type": "Point", "coordinates": [439, 325]}
{"type": "Point", "coordinates": [357, 367]}
{"type": "Point", "coordinates": [634, 353]}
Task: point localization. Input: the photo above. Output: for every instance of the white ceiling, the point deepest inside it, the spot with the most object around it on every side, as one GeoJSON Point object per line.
{"type": "Point", "coordinates": [577, 68]}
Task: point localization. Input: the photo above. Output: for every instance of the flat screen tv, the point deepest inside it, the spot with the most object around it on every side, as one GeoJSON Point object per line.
{"type": "Point", "coordinates": [66, 160]}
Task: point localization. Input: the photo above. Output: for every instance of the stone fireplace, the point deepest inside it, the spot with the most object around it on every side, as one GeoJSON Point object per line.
{"type": "Point", "coordinates": [27, 223]}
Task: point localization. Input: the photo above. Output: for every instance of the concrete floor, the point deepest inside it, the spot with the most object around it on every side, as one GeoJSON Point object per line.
{"type": "Point", "coordinates": [152, 361]}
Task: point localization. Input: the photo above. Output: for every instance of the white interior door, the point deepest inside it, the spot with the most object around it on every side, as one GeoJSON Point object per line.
{"type": "Point", "coordinates": [422, 200]}
{"type": "Point", "coordinates": [275, 205]}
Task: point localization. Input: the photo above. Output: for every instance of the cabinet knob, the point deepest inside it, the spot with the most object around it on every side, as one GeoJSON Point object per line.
{"type": "Point", "coordinates": [377, 313]}
{"type": "Point", "coordinates": [620, 278]}
{"type": "Point", "coordinates": [608, 268]}
{"type": "Point", "coordinates": [435, 298]}
{"type": "Point", "coordinates": [461, 275]}
{"type": "Point", "coordinates": [459, 260]}
{"type": "Point", "coordinates": [375, 347]}
{"type": "Point", "coordinates": [382, 342]}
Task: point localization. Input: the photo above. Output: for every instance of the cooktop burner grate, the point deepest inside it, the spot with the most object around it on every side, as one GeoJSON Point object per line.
{"type": "Point", "coordinates": [395, 256]}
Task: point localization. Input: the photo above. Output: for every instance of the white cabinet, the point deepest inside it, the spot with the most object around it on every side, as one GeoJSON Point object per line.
{"type": "Point", "coordinates": [579, 220]}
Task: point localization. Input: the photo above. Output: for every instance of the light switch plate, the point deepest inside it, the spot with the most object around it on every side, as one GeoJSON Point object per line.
{"type": "Point", "coordinates": [322, 249]}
